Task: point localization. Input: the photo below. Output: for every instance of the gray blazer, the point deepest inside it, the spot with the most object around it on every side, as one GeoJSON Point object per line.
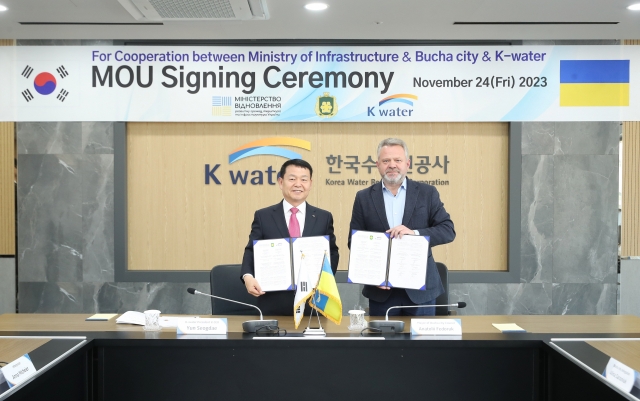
{"type": "Point", "coordinates": [423, 211]}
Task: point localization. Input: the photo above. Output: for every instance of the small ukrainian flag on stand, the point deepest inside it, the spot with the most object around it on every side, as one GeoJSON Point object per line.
{"type": "Point", "coordinates": [326, 298]}
{"type": "Point", "coordinates": [594, 83]}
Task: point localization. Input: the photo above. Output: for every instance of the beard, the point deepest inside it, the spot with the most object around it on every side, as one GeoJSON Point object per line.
{"type": "Point", "coordinates": [393, 181]}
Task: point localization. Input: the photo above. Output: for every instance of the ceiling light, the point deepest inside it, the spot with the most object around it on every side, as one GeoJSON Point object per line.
{"type": "Point", "coordinates": [634, 7]}
{"type": "Point", "coordinates": [3, 8]}
{"type": "Point", "coordinates": [316, 6]}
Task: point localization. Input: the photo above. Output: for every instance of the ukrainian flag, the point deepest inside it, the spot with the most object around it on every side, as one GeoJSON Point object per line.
{"type": "Point", "coordinates": [326, 298]}
{"type": "Point", "coordinates": [594, 83]}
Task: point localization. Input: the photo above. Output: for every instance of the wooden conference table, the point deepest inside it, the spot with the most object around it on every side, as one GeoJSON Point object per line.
{"type": "Point", "coordinates": [554, 360]}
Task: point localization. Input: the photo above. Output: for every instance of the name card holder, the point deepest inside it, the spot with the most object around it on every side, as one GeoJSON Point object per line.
{"type": "Point", "coordinates": [621, 375]}
{"type": "Point", "coordinates": [203, 326]}
{"type": "Point", "coordinates": [436, 327]}
{"type": "Point", "coordinates": [18, 371]}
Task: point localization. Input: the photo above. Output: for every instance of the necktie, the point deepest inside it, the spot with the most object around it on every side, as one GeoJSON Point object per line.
{"type": "Point", "coordinates": [294, 226]}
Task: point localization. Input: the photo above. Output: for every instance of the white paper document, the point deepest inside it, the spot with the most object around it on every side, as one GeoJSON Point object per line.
{"type": "Point", "coordinates": [368, 258]}
{"type": "Point", "coordinates": [408, 262]}
{"type": "Point", "coordinates": [277, 261]}
{"type": "Point", "coordinates": [272, 264]}
{"type": "Point", "coordinates": [310, 251]}
{"type": "Point", "coordinates": [375, 259]}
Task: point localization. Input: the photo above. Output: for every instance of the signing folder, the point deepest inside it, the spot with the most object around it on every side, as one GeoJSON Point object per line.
{"type": "Point", "coordinates": [376, 259]}
{"type": "Point", "coordinates": [277, 261]}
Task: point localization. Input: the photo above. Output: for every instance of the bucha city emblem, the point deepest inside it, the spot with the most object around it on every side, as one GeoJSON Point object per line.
{"type": "Point", "coordinates": [326, 106]}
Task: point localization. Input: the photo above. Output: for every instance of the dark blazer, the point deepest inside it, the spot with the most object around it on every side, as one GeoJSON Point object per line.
{"type": "Point", "coordinates": [269, 223]}
{"type": "Point", "coordinates": [423, 211]}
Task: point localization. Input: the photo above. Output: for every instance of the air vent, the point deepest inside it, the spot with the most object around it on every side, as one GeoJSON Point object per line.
{"type": "Point", "coordinates": [196, 10]}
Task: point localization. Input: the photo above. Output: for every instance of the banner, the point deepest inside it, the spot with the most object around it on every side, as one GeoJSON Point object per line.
{"type": "Point", "coordinates": [328, 84]}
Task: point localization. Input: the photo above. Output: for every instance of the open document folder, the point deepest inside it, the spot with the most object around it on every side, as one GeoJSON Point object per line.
{"type": "Point", "coordinates": [277, 261]}
{"type": "Point", "coordinates": [376, 259]}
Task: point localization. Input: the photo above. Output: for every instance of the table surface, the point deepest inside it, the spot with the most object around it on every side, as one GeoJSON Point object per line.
{"type": "Point", "coordinates": [13, 348]}
{"type": "Point", "coordinates": [627, 352]}
{"type": "Point", "coordinates": [537, 324]}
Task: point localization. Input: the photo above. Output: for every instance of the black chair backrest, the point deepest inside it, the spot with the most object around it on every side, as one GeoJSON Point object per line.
{"type": "Point", "coordinates": [443, 299]}
{"type": "Point", "coordinates": [225, 282]}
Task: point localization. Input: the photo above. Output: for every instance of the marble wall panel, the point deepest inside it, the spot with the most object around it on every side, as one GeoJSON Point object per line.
{"type": "Point", "coordinates": [170, 298]}
{"type": "Point", "coordinates": [49, 138]}
{"type": "Point", "coordinates": [519, 299]}
{"type": "Point", "coordinates": [97, 218]}
{"type": "Point", "coordinates": [584, 299]}
{"type": "Point", "coordinates": [49, 218]}
{"type": "Point", "coordinates": [97, 137]}
{"type": "Point", "coordinates": [536, 220]}
{"type": "Point", "coordinates": [7, 285]}
{"type": "Point", "coordinates": [538, 138]}
{"type": "Point", "coordinates": [475, 295]}
{"type": "Point", "coordinates": [587, 138]}
{"type": "Point", "coordinates": [50, 297]}
{"type": "Point", "coordinates": [585, 219]}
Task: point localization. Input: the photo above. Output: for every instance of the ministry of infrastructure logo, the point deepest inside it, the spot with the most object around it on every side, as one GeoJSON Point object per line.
{"type": "Point", "coordinates": [45, 83]}
{"type": "Point", "coordinates": [221, 106]}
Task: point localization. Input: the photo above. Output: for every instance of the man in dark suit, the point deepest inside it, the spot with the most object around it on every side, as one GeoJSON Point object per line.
{"type": "Point", "coordinates": [400, 206]}
{"type": "Point", "coordinates": [293, 217]}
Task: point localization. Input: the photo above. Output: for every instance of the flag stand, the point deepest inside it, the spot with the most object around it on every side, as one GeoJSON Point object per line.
{"type": "Point", "coordinates": [319, 332]}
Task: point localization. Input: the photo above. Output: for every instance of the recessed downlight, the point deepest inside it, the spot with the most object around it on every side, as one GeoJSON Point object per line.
{"type": "Point", "coordinates": [316, 6]}
{"type": "Point", "coordinates": [634, 7]}
{"type": "Point", "coordinates": [3, 8]}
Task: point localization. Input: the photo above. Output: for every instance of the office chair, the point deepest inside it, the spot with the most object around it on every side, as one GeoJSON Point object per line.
{"type": "Point", "coordinates": [225, 282]}
{"type": "Point", "coordinates": [443, 299]}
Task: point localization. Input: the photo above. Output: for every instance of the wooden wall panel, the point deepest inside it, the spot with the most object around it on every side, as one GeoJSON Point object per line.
{"type": "Point", "coordinates": [176, 222]}
{"type": "Point", "coordinates": [630, 224]}
{"type": "Point", "coordinates": [7, 175]}
{"type": "Point", "coordinates": [7, 190]}
{"type": "Point", "coordinates": [630, 229]}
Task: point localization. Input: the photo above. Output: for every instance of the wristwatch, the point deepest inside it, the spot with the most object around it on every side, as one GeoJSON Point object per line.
{"type": "Point", "coordinates": [416, 232]}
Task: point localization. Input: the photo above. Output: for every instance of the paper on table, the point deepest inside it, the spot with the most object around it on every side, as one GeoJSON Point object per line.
{"type": "Point", "coordinates": [272, 264]}
{"type": "Point", "coordinates": [100, 317]}
{"type": "Point", "coordinates": [132, 317]}
{"type": "Point", "coordinates": [509, 328]}
{"type": "Point", "coordinates": [368, 258]}
{"type": "Point", "coordinates": [408, 262]}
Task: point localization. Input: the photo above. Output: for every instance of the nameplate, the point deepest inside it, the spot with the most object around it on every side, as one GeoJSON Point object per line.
{"type": "Point", "coordinates": [203, 326]}
{"type": "Point", "coordinates": [620, 375]}
{"type": "Point", "coordinates": [18, 371]}
{"type": "Point", "coordinates": [436, 327]}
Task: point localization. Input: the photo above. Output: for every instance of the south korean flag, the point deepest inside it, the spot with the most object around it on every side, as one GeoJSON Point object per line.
{"type": "Point", "coordinates": [303, 291]}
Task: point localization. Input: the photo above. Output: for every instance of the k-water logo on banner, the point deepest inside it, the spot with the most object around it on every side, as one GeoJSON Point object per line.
{"type": "Point", "coordinates": [391, 109]}
{"type": "Point", "coordinates": [594, 83]}
{"type": "Point", "coordinates": [45, 83]}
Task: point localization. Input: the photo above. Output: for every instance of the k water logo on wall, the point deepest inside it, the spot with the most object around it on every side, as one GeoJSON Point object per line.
{"type": "Point", "coordinates": [267, 146]}
{"type": "Point", "coordinates": [400, 105]}
{"type": "Point", "coordinates": [45, 83]}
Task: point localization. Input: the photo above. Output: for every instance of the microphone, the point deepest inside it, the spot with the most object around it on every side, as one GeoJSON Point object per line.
{"type": "Point", "coordinates": [398, 325]}
{"type": "Point", "coordinates": [250, 326]}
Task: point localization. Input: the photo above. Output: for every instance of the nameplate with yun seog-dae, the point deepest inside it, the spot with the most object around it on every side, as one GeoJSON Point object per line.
{"type": "Point", "coordinates": [436, 327]}
{"type": "Point", "coordinates": [203, 326]}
